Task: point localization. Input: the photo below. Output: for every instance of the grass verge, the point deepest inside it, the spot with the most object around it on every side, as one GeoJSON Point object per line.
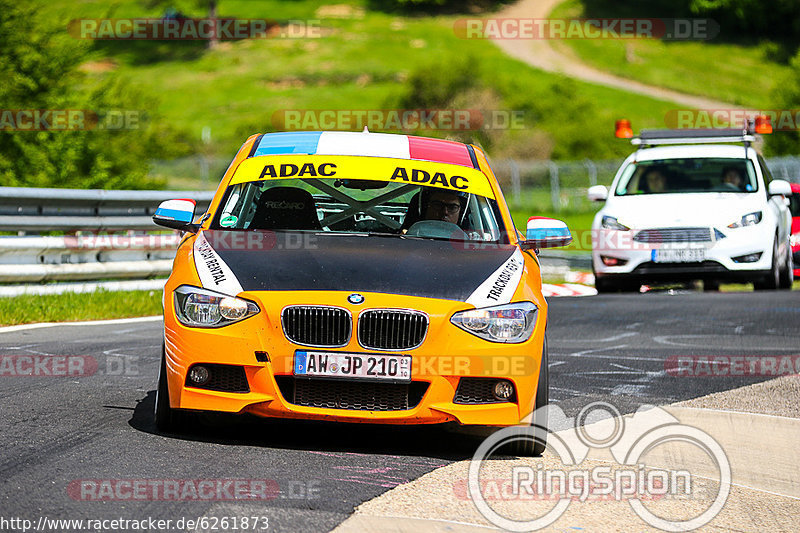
{"type": "Point", "coordinates": [81, 306]}
{"type": "Point", "coordinates": [739, 74]}
{"type": "Point", "coordinates": [360, 59]}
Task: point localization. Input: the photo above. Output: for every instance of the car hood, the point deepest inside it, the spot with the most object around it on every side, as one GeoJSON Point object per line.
{"type": "Point", "coordinates": [685, 209]}
{"type": "Point", "coordinates": [231, 262]}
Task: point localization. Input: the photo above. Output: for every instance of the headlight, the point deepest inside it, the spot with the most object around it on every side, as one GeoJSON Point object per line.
{"type": "Point", "coordinates": [612, 223]}
{"type": "Point", "coordinates": [510, 323]}
{"type": "Point", "coordinates": [750, 219]}
{"type": "Point", "coordinates": [201, 308]}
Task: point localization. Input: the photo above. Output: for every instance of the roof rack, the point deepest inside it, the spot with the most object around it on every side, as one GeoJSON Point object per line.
{"type": "Point", "coordinates": [693, 136]}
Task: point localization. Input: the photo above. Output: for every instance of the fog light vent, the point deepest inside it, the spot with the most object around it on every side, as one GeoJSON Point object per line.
{"type": "Point", "coordinates": [222, 378]}
{"type": "Point", "coordinates": [503, 390]}
{"type": "Point", "coordinates": [199, 375]}
{"type": "Point", "coordinates": [749, 258]}
{"type": "Point", "coordinates": [473, 391]}
{"type": "Point", "coordinates": [612, 261]}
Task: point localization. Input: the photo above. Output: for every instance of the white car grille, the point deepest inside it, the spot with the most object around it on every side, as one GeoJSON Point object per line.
{"type": "Point", "coordinates": [668, 235]}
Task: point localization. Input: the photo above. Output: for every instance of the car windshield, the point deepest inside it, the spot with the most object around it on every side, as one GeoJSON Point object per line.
{"type": "Point", "coordinates": [359, 206]}
{"type": "Point", "coordinates": [691, 175]}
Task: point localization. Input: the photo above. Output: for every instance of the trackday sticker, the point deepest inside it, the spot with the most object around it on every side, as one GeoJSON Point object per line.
{"type": "Point", "coordinates": [500, 286]}
{"type": "Point", "coordinates": [214, 273]}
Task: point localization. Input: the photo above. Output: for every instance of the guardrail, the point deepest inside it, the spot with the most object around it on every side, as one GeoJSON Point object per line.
{"type": "Point", "coordinates": [137, 248]}
{"type": "Point", "coordinates": [31, 209]}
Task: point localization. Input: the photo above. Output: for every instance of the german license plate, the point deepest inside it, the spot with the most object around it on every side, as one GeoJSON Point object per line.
{"type": "Point", "coordinates": [683, 255]}
{"type": "Point", "coordinates": [367, 366]}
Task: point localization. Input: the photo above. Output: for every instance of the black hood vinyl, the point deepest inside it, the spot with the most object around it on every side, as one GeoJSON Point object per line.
{"type": "Point", "coordinates": [301, 261]}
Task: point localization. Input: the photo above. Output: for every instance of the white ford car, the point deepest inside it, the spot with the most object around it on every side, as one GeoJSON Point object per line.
{"type": "Point", "coordinates": [686, 206]}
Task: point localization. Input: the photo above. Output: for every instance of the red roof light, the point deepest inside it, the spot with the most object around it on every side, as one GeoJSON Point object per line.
{"type": "Point", "coordinates": [623, 129]}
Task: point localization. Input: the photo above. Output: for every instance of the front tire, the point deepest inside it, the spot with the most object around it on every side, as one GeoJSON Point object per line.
{"type": "Point", "coordinates": [524, 445]}
{"type": "Point", "coordinates": [534, 447]}
{"type": "Point", "coordinates": [772, 280]}
{"type": "Point", "coordinates": [167, 419]}
{"type": "Point", "coordinates": [787, 274]}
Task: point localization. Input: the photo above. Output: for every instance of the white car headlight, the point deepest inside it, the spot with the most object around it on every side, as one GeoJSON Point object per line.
{"type": "Point", "coordinates": [750, 219]}
{"type": "Point", "coordinates": [511, 323]}
{"type": "Point", "coordinates": [612, 223]}
{"type": "Point", "coordinates": [202, 308]}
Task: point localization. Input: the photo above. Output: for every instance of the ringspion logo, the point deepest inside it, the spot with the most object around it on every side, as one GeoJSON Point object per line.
{"type": "Point", "coordinates": [628, 477]}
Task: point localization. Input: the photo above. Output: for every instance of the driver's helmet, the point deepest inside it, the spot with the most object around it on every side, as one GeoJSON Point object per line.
{"type": "Point", "coordinates": [427, 192]}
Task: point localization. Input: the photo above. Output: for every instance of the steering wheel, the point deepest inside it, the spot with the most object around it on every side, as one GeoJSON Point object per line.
{"type": "Point", "coordinates": [437, 229]}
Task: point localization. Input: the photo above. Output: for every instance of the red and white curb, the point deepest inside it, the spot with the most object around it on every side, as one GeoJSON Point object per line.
{"type": "Point", "coordinates": [567, 289]}
{"type": "Point", "coordinates": [576, 285]}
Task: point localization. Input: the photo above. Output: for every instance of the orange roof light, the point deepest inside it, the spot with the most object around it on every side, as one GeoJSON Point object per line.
{"type": "Point", "coordinates": [623, 129]}
{"type": "Point", "coordinates": [763, 125]}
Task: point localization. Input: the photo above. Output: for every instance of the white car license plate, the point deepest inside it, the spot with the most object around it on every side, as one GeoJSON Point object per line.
{"type": "Point", "coordinates": [382, 367]}
{"type": "Point", "coordinates": [685, 255]}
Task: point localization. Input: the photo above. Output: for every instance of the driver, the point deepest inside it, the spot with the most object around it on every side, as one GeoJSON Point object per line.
{"type": "Point", "coordinates": [733, 176]}
{"type": "Point", "coordinates": [444, 205]}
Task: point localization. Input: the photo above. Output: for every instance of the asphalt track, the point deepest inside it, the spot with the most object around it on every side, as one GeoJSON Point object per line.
{"type": "Point", "coordinates": [57, 430]}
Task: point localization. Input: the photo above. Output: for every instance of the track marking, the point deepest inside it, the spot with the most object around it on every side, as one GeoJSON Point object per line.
{"type": "Point", "coordinates": [665, 339]}
{"type": "Point", "coordinates": [606, 339]}
{"type": "Point", "coordinates": [23, 327]}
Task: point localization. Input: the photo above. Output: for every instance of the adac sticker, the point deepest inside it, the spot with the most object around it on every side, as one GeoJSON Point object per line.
{"type": "Point", "coordinates": [404, 171]}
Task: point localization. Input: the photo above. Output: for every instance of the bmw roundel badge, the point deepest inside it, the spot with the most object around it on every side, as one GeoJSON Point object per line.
{"type": "Point", "coordinates": [355, 299]}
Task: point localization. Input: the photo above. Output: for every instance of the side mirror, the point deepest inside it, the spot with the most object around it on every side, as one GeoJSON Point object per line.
{"type": "Point", "coordinates": [597, 193]}
{"type": "Point", "coordinates": [545, 232]}
{"type": "Point", "coordinates": [779, 187]}
{"type": "Point", "coordinates": [176, 214]}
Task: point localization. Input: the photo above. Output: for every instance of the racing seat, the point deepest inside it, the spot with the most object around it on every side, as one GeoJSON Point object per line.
{"type": "Point", "coordinates": [285, 208]}
{"type": "Point", "coordinates": [412, 214]}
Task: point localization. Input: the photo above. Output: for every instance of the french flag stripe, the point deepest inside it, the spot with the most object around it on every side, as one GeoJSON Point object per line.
{"type": "Point", "coordinates": [439, 151]}
{"type": "Point", "coordinates": [363, 144]}
{"type": "Point", "coordinates": [303, 142]}
{"type": "Point", "coordinates": [174, 214]}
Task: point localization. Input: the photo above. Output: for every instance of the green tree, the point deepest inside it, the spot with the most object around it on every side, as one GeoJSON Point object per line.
{"type": "Point", "coordinates": [786, 96]}
{"type": "Point", "coordinates": [39, 66]}
{"type": "Point", "coordinates": [777, 20]}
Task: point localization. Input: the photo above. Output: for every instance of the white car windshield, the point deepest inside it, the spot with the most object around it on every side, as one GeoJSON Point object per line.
{"type": "Point", "coordinates": [359, 206]}
{"type": "Point", "coordinates": [691, 175]}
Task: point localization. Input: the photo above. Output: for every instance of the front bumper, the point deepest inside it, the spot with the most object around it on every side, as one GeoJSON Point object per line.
{"type": "Point", "coordinates": [447, 355]}
{"type": "Point", "coordinates": [637, 260]}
